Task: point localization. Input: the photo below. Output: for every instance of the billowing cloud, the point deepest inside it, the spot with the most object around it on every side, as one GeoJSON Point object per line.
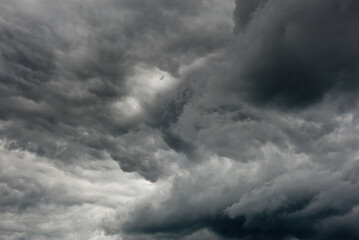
{"type": "Point", "coordinates": [134, 119]}
{"type": "Point", "coordinates": [79, 82]}
{"type": "Point", "coordinates": [293, 52]}
{"type": "Point", "coordinates": [41, 199]}
{"type": "Point", "coordinates": [279, 185]}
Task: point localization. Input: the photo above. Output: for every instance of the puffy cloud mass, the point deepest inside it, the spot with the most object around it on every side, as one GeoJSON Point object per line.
{"type": "Point", "coordinates": [135, 119]}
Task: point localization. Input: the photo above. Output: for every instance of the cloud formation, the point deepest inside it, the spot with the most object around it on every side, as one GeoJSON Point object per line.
{"type": "Point", "coordinates": [134, 119]}
{"type": "Point", "coordinates": [79, 82]}
{"type": "Point", "coordinates": [294, 52]}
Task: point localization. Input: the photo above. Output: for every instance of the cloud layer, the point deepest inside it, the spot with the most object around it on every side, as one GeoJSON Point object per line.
{"type": "Point", "coordinates": [297, 51]}
{"type": "Point", "coordinates": [207, 119]}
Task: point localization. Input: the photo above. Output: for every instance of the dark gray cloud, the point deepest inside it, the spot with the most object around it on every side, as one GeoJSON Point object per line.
{"type": "Point", "coordinates": [77, 83]}
{"type": "Point", "coordinates": [237, 119]}
{"type": "Point", "coordinates": [292, 53]}
{"type": "Point", "coordinates": [284, 186]}
{"type": "Point", "coordinates": [265, 173]}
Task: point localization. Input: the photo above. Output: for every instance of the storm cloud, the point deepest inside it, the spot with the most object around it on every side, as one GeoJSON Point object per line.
{"type": "Point", "coordinates": [293, 52]}
{"type": "Point", "coordinates": [135, 119]}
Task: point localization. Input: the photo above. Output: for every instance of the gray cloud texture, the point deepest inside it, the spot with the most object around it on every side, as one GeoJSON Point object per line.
{"type": "Point", "coordinates": [297, 51]}
{"type": "Point", "coordinates": [228, 120]}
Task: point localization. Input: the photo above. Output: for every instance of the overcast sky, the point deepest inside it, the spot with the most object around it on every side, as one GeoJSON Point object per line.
{"type": "Point", "coordinates": [179, 119]}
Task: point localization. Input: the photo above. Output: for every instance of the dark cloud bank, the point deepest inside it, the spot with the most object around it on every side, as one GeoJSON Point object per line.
{"type": "Point", "coordinates": [243, 115]}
